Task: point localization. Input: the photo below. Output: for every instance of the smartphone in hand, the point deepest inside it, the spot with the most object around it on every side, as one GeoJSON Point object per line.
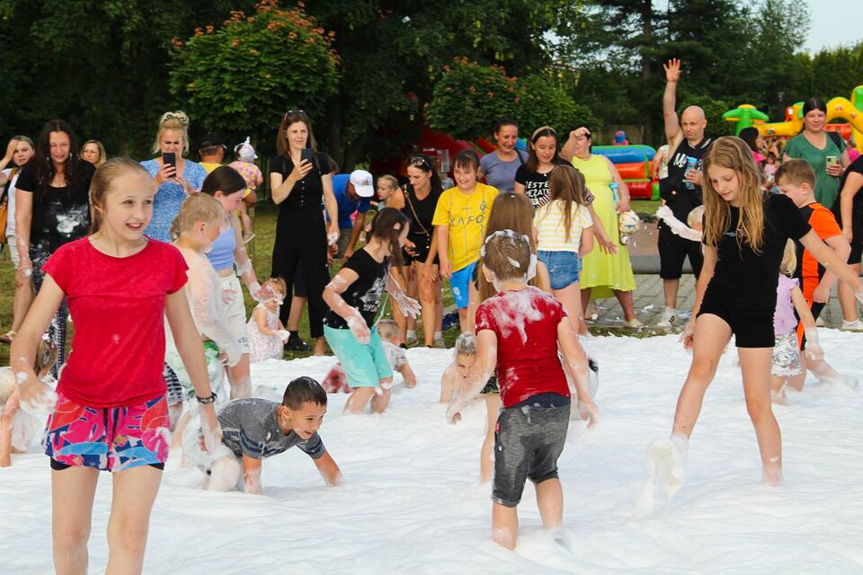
{"type": "Point", "coordinates": [170, 159]}
{"type": "Point", "coordinates": [306, 154]}
{"type": "Point", "coordinates": [832, 161]}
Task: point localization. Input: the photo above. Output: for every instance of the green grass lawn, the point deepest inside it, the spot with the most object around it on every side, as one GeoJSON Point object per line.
{"type": "Point", "coordinates": [260, 249]}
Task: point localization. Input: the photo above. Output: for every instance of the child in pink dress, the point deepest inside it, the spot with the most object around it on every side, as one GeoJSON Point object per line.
{"type": "Point", "coordinates": [267, 335]}
{"type": "Point", "coordinates": [245, 165]}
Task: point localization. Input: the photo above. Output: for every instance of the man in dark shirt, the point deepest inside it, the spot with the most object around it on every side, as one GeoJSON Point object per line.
{"type": "Point", "coordinates": [680, 191]}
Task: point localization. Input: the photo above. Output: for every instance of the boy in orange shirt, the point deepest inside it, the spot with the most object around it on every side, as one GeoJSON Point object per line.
{"type": "Point", "coordinates": [796, 179]}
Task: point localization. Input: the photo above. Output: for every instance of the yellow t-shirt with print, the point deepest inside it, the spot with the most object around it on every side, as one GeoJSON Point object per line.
{"type": "Point", "coordinates": [466, 215]}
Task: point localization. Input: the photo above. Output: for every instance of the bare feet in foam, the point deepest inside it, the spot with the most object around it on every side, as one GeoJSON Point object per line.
{"type": "Point", "coordinates": [668, 462]}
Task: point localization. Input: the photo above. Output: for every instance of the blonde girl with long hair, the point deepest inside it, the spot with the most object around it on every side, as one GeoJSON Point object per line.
{"type": "Point", "coordinates": [745, 234]}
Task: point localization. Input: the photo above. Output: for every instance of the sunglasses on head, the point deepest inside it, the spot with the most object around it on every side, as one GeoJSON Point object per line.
{"type": "Point", "coordinates": [419, 161]}
{"type": "Point", "coordinates": [292, 112]}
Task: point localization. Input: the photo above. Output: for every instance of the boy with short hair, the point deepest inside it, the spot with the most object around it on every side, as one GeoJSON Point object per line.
{"type": "Point", "coordinates": [796, 179]}
{"type": "Point", "coordinates": [254, 429]}
{"type": "Point", "coordinates": [460, 220]}
{"type": "Point", "coordinates": [519, 331]}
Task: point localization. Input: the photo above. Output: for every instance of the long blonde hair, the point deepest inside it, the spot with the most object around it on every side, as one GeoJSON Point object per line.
{"type": "Point", "coordinates": [789, 259]}
{"type": "Point", "coordinates": [734, 154]}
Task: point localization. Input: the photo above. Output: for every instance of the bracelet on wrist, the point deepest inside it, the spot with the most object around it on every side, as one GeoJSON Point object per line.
{"type": "Point", "coordinates": [206, 400]}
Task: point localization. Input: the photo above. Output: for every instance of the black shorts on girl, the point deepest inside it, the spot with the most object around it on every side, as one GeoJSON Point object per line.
{"type": "Point", "coordinates": [528, 439]}
{"type": "Point", "coordinates": [751, 328]}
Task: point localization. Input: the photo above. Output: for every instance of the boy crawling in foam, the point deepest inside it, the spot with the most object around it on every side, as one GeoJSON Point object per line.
{"type": "Point", "coordinates": [255, 429]}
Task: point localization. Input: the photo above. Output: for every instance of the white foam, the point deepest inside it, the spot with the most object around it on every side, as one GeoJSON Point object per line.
{"type": "Point", "coordinates": [411, 504]}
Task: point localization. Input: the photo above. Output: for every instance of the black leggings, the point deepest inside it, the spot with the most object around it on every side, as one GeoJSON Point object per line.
{"type": "Point", "coordinates": [57, 329]}
{"type": "Point", "coordinates": [301, 243]}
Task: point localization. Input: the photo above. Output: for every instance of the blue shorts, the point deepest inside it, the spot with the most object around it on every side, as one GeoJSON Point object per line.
{"type": "Point", "coordinates": [460, 282]}
{"type": "Point", "coordinates": [364, 364]}
{"type": "Point", "coordinates": [564, 268]}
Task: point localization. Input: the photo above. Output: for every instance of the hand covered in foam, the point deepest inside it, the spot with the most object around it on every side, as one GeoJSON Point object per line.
{"type": "Point", "coordinates": [588, 412]}
{"type": "Point", "coordinates": [814, 351]}
{"type": "Point", "coordinates": [231, 354]}
{"type": "Point", "coordinates": [359, 328]}
{"type": "Point", "coordinates": [211, 430]}
{"type": "Point", "coordinates": [688, 334]}
{"type": "Point", "coordinates": [409, 306]}
{"type": "Point", "coordinates": [283, 334]}
{"type": "Point", "coordinates": [261, 294]}
{"type": "Point", "coordinates": [34, 395]}
{"type": "Point", "coordinates": [332, 238]}
{"type": "Point", "coordinates": [228, 294]}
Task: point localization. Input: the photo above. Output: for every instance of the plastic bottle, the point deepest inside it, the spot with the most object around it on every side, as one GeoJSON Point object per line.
{"type": "Point", "coordinates": [691, 164]}
{"type": "Point", "coordinates": [614, 195]}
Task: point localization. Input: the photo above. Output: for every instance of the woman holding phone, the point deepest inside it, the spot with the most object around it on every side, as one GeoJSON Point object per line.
{"type": "Point", "coordinates": [823, 151]}
{"type": "Point", "coordinates": [300, 178]}
{"type": "Point", "coordinates": [176, 177]}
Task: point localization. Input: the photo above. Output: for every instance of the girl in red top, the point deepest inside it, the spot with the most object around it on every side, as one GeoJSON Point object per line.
{"type": "Point", "coordinates": [111, 413]}
{"type": "Point", "coordinates": [519, 331]}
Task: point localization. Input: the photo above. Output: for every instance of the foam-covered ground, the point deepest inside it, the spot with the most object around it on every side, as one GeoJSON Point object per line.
{"type": "Point", "coordinates": [411, 503]}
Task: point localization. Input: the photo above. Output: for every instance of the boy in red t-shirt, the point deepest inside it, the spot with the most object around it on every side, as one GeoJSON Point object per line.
{"type": "Point", "coordinates": [518, 333]}
{"type": "Point", "coordinates": [796, 179]}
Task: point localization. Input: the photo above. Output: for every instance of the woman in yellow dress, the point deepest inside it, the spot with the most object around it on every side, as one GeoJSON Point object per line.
{"type": "Point", "coordinates": [609, 271]}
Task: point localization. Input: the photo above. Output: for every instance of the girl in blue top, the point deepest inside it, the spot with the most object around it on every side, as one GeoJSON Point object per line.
{"type": "Point", "coordinates": [174, 182]}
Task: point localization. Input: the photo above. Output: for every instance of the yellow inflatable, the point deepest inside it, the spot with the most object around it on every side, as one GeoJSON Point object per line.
{"type": "Point", "coordinates": [837, 108]}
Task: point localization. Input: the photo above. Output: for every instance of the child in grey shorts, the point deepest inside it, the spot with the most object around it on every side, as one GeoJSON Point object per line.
{"type": "Point", "coordinates": [518, 332]}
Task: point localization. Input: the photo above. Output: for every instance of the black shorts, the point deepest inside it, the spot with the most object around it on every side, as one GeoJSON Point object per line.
{"type": "Point", "coordinates": [527, 442]}
{"type": "Point", "coordinates": [673, 250]}
{"type": "Point", "coordinates": [856, 232]}
{"type": "Point", "coordinates": [751, 328]}
{"type": "Point", "coordinates": [422, 246]}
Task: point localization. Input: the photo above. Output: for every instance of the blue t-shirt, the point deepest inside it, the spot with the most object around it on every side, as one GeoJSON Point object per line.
{"type": "Point", "coordinates": [347, 206]}
{"type": "Point", "coordinates": [169, 198]}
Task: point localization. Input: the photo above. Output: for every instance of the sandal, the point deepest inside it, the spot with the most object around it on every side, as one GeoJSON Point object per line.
{"type": "Point", "coordinates": [8, 336]}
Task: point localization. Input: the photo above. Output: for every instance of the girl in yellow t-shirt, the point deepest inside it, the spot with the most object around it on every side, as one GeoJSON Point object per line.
{"type": "Point", "coordinates": [460, 220]}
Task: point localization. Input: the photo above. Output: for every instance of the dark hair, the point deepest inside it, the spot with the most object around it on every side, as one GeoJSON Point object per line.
{"type": "Point", "coordinates": [749, 135]}
{"type": "Point", "coordinates": [814, 104]}
{"type": "Point", "coordinates": [424, 163]}
{"type": "Point", "coordinates": [290, 118]}
{"type": "Point", "coordinates": [387, 226]}
{"type": "Point", "coordinates": [44, 167]}
{"type": "Point", "coordinates": [466, 160]}
{"type": "Point", "coordinates": [501, 123]}
{"type": "Point", "coordinates": [101, 183]}
{"type": "Point", "coordinates": [303, 390]}
{"type": "Point", "coordinates": [224, 179]}
{"type": "Point", "coordinates": [544, 131]}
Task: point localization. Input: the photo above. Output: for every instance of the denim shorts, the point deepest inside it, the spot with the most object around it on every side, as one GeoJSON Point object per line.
{"type": "Point", "coordinates": [564, 268]}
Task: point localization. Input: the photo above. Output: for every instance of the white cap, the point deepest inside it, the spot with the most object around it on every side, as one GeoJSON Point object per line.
{"type": "Point", "coordinates": [363, 183]}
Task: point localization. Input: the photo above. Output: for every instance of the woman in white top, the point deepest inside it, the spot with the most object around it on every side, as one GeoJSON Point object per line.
{"type": "Point", "coordinates": [564, 230]}
{"type": "Point", "coordinates": [19, 151]}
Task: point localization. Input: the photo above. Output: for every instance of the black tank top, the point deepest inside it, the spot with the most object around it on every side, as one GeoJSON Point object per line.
{"type": "Point", "coordinates": [684, 199]}
{"type": "Point", "coordinates": [420, 213]}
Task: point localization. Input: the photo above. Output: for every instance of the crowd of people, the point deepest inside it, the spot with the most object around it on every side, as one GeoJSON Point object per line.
{"type": "Point", "coordinates": [150, 259]}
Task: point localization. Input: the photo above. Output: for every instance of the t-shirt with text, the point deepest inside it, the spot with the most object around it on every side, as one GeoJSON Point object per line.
{"type": "Point", "coordinates": [119, 306]}
{"type": "Point", "coordinates": [250, 427]}
{"type": "Point", "coordinates": [525, 323]}
{"type": "Point", "coordinates": [365, 293]}
{"type": "Point", "coordinates": [536, 186]}
{"type": "Point", "coordinates": [466, 215]}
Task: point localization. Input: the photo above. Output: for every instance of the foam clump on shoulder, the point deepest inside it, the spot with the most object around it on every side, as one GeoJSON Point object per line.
{"type": "Point", "coordinates": [515, 308]}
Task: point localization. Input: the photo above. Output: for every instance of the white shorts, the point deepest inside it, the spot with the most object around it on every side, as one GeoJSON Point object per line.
{"type": "Point", "coordinates": [235, 312]}
{"type": "Point", "coordinates": [786, 356]}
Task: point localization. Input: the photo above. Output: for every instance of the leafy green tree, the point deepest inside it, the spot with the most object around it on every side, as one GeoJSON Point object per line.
{"type": "Point", "coordinates": [543, 102]}
{"type": "Point", "coordinates": [241, 77]}
{"type": "Point", "coordinates": [470, 97]}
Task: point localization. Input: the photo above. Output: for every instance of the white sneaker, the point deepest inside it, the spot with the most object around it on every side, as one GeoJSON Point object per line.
{"type": "Point", "coordinates": [411, 338]}
{"type": "Point", "coordinates": [634, 323]}
{"type": "Point", "coordinates": [439, 343]}
{"type": "Point", "coordinates": [668, 317]}
{"type": "Point", "coordinates": [855, 325]}
{"type": "Point", "coordinates": [668, 461]}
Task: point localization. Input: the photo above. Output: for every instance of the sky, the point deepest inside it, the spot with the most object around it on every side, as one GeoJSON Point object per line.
{"type": "Point", "coordinates": [834, 22]}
